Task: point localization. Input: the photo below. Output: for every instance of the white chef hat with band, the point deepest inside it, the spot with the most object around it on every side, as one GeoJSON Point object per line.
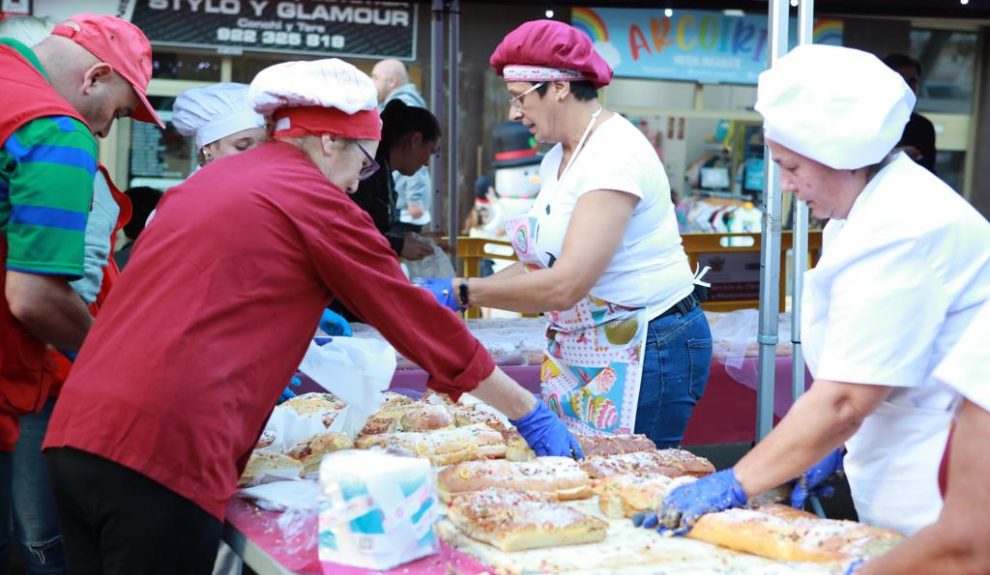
{"type": "Point", "coordinates": [316, 97]}
{"type": "Point", "coordinates": [838, 106]}
{"type": "Point", "coordinates": [214, 112]}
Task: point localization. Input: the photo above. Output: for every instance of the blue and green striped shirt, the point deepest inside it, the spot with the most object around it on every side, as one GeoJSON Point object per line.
{"type": "Point", "coordinates": [46, 190]}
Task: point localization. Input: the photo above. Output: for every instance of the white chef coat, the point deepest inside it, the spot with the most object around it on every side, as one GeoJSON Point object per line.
{"type": "Point", "coordinates": [899, 280]}
{"type": "Point", "coordinates": [967, 367]}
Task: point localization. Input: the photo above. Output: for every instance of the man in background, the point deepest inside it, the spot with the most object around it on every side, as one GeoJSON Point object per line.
{"type": "Point", "coordinates": [391, 79]}
{"type": "Point", "coordinates": [918, 139]}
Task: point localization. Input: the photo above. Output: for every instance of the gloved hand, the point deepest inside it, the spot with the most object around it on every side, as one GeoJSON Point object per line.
{"type": "Point", "coordinates": [287, 393]}
{"type": "Point", "coordinates": [810, 482]}
{"type": "Point", "coordinates": [682, 507]}
{"type": "Point", "coordinates": [442, 289]}
{"type": "Point", "coordinates": [853, 567]}
{"type": "Point", "coordinates": [546, 434]}
{"type": "Point", "coordinates": [70, 355]}
{"type": "Point", "coordinates": [333, 324]}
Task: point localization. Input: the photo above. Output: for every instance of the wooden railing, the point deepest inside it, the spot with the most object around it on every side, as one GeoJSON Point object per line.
{"type": "Point", "coordinates": [734, 257]}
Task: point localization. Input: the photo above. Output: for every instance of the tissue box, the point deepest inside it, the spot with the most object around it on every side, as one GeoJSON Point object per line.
{"type": "Point", "coordinates": [376, 510]}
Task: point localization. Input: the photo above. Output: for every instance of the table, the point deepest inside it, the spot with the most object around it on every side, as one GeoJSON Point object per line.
{"type": "Point", "coordinates": [725, 414]}
{"type": "Point", "coordinates": [254, 535]}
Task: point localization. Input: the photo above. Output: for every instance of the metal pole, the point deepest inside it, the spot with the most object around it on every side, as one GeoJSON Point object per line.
{"type": "Point", "coordinates": [436, 89]}
{"type": "Point", "coordinates": [806, 20]}
{"type": "Point", "coordinates": [770, 247]}
{"type": "Point", "coordinates": [453, 61]}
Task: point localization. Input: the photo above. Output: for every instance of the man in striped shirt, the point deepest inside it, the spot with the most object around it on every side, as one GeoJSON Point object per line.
{"type": "Point", "coordinates": [54, 99]}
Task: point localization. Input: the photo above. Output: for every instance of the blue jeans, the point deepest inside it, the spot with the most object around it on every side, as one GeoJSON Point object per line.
{"type": "Point", "coordinates": [676, 365]}
{"type": "Point", "coordinates": [35, 514]}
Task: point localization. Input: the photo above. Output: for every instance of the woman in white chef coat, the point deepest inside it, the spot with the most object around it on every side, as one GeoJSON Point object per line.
{"type": "Point", "coordinates": [905, 266]}
{"type": "Point", "coordinates": [957, 542]}
{"type": "Point", "coordinates": [220, 120]}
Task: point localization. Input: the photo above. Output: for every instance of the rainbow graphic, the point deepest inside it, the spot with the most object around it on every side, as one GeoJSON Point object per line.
{"type": "Point", "coordinates": [827, 31]}
{"type": "Point", "coordinates": [589, 22]}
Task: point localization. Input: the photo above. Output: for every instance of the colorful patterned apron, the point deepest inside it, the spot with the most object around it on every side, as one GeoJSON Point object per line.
{"type": "Point", "coordinates": [593, 361]}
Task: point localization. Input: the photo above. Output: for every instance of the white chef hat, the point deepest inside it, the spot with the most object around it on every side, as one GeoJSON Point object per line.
{"type": "Point", "coordinates": [214, 112]}
{"type": "Point", "coordinates": [318, 97]}
{"type": "Point", "coordinates": [838, 106]}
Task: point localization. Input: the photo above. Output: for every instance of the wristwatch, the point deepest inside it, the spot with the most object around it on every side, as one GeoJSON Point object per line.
{"type": "Point", "coordinates": [462, 293]}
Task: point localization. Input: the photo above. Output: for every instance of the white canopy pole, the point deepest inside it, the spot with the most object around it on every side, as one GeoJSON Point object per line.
{"type": "Point", "coordinates": [453, 61]}
{"type": "Point", "coordinates": [436, 100]}
{"type": "Point", "coordinates": [770, 247]}
{"type": "Point", "coordinates": [806, 20]}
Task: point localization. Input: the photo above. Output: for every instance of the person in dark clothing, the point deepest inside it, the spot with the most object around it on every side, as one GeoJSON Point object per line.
{"type": "Point", "coordinates": [918, 139]}
{"type": "Point", "coordinates": [143, 202]}
{"type": "Point", "coordinates": [410, 135]}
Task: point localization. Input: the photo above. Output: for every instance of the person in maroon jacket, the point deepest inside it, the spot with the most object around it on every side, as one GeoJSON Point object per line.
{"type": "Point", "coordinates": [220, 300]}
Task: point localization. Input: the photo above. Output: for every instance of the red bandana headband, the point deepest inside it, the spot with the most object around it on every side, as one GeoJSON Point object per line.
{"type": "Point", "coordinates": [317, 120]}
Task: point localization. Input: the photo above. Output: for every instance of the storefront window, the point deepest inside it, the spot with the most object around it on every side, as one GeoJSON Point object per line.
{"type": "Point", "coordinates": [160, 159]}
{"type": "Point", "coordinates": [948, 61]}
{"type": "Point", "coordinates": [245, 68]}
{"type": "Point", "coordinates": [728, 97]}
{"type": "Point", "coordinates": [950, 167]}
{"type": "Point", "coordinates": [185, 66]}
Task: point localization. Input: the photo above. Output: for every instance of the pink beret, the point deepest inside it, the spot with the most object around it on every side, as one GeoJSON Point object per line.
{"type": "Point", "coordinates": [546, 50]}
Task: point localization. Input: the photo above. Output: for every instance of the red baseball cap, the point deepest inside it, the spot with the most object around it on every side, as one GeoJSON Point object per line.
{"type": "Point", "coordinates": [120, 44]}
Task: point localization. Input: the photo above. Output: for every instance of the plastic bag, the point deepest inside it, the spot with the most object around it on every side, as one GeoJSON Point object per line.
{"type": "Point", "coordinates": [376, 510]}
{"type": "Point", "coordinates": [436, 265]}
{"type": "Point", "coordinates": [356, 370]}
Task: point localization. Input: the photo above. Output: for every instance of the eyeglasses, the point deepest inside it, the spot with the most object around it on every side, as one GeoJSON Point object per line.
{"type": "Point", "coordinates": [370, 167]}
{"type": "Point", "coordinates": [517, 101]}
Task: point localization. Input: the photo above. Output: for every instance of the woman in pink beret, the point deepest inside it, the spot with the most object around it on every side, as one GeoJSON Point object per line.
{"type": "Point", "coordinates": [628, 346]}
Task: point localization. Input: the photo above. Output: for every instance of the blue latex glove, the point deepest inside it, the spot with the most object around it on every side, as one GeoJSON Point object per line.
{"type": "Point", "coordinates": [287, 393]}
{"type": "Point", "coordinates": [854, 566]}
{"type": "Point", "coordinates": [810, 482]}
{"type": "Point", "coordinates": [683, 506]}
{"type": "Point", "coordinates": [442, 289]}
{"type": "Point", "coordinates": [546, 434]}
{"type": "Point", "coordinates": [333, 324]}
{"type": "Point", "coordinates": [70, 355]}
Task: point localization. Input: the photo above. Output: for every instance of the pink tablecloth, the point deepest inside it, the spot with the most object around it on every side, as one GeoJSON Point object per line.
{"type": "Point", "coordinates": [261, 529]}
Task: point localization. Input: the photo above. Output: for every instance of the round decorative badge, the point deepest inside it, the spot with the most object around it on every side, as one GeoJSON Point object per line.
{"type": "Point", "coordinates": [520, 242]}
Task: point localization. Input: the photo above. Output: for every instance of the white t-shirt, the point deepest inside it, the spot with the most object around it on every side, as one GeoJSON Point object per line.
{"type": "Point", "coordinates": [898, 282]}
{"type": "Point", "coordinates": [967, 367]}
{"type": "Point", "coordinates": [650, 268]}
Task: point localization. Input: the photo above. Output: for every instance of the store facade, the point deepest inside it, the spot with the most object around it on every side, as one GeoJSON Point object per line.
{"type": "Point", "coordinates": [688, 80]}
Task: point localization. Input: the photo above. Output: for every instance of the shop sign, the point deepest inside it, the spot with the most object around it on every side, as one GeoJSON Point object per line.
{"type": "Point", "coordinates": [9, 8]}
{"type": "Point", "coordinates": [358, 28]}
{"type": "Point", "coordinates": [693, 45]}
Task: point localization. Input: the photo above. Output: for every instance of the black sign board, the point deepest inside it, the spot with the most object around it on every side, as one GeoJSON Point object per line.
{"type": "Point", "coordinates": [359, 28]}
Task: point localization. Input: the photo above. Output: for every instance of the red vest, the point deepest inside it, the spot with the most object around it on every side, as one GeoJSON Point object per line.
{"type": "Point", "coordinates": [25, 96]}
{"type": "Point", "coordinates": [53, 380]}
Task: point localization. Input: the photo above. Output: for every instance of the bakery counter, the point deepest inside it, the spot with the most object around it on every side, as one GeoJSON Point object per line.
{"type": "Point", "coordinates": [255, 536]}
